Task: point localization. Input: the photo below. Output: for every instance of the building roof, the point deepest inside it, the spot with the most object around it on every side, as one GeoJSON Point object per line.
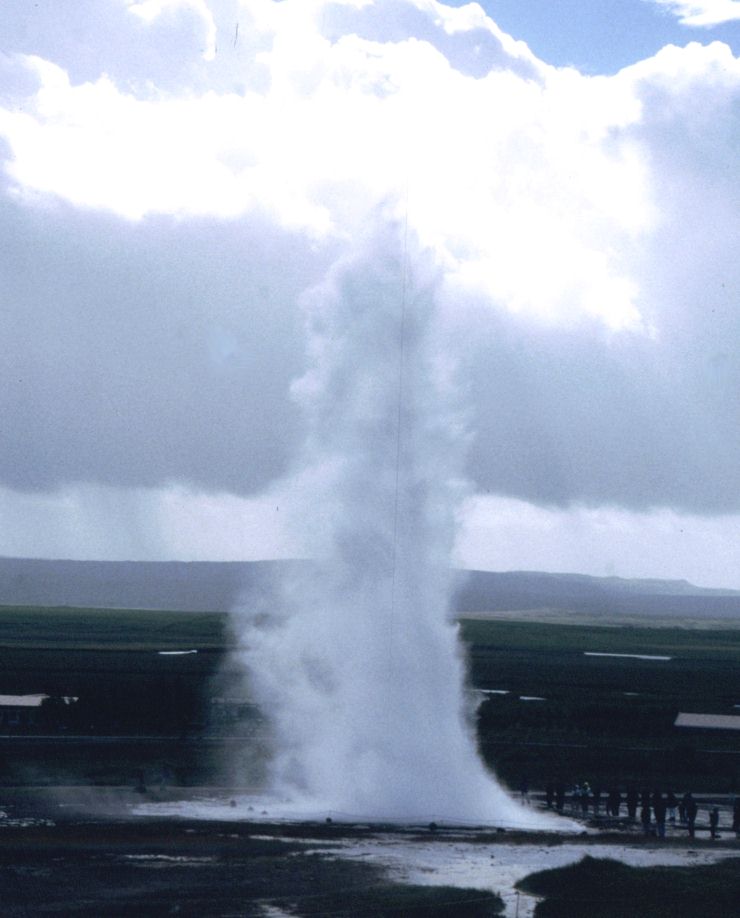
{"type": "Point", "coordinates": [709, 721]}
{"type": "Point", "coordinates": [29, 701]}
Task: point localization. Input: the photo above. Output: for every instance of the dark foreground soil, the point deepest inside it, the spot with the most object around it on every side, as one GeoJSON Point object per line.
{"type": "Point", "coordinates": [62, 855]}
{"type": "Point", "coordinates": [107, 867]}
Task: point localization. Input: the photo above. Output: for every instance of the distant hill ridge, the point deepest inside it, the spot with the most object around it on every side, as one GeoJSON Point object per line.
{"type": "Point", "coordinates": [481, 591]}
{"type": "Point", "coordinates": [218, 586]}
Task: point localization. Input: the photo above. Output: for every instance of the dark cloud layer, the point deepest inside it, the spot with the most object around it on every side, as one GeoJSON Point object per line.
{"type": "Point", "coordinates": [141, 354]}
{"type": "Point", "coordinates": [564, 418]}
{"type": "Point", "coordinates": [136, 354]}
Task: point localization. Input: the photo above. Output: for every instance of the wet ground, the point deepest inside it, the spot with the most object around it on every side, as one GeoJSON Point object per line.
{"type": "Point", "coordinates": [115, 853]}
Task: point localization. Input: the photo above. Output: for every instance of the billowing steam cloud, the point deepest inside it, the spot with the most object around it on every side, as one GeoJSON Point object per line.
{"type": "Point", "coordinates": [357, 662]}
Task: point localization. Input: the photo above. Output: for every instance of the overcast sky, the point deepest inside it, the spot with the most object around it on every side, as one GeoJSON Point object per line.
{"type": "Point", "coordinates": [175, 174]}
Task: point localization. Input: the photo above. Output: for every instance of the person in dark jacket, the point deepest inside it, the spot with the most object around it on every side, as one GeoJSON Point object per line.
{"type": "Point", "coordinates": [691, 810]}
{"type": "Point", "coordinates": [632, 800]}
{"type": "Point", "coordinates": [645, 819]}
{"type": "Point", "coordinates": [659, 808]}
{"type": "Point", "coordinates": [671, 804]}
{"type": "Point", "coordinates": [713, 821]}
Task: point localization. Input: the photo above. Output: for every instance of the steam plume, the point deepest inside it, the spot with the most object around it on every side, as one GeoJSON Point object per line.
{"type": "Point", "coordinates": [359, 663]}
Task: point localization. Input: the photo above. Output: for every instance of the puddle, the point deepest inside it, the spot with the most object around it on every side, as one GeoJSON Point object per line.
{"type": "Point", "coordinates": [499, 867]}
{"type": "Point", "coordinates": [23, 822]}
{"type": "Point", "coordinates": [165, 860]}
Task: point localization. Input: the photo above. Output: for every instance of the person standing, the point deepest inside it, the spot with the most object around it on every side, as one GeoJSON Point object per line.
{"type": "Point", "coordinates": [671, 804]}
{"type": "Point", "coordinates": [682, 809]}
{"type": "Point", "coordinates": [645, 819]}
{"type": "Point", "coordinates": [632, 799]}
{"type": "Point", "coordinates": [659, 808]}
{"type": "Point", "coordinates": [691, 810]}
{"type": "Point", "coordinates": [713, 821]}
{"type": "Point", "coordinates": [585, 798]}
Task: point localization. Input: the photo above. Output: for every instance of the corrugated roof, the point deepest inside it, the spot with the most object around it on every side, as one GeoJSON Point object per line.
{"type": "Point", "coordinates": [709, 721]}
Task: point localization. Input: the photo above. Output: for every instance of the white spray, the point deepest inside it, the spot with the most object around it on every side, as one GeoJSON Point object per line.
{"type": "Point", "coordinates": [358, 663]}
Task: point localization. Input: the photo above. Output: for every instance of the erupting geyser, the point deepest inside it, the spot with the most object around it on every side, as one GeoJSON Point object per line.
{"type": "Point", "coordinates": [357, 662]}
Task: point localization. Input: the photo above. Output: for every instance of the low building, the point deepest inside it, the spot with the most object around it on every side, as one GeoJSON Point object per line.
{"type": "Point", "coordinates": [20, 711]}
{"type": "Point", "coordinates": [708, 721]}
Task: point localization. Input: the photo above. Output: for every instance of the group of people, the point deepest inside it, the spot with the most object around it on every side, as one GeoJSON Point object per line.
{"type": "Point", "coordinates": [655, 808]}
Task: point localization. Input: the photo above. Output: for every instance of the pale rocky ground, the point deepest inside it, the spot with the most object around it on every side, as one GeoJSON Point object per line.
{"type": "Point", "coordinates": [478, 857]}
{"type": "Point", "coordinates": [500, 866]}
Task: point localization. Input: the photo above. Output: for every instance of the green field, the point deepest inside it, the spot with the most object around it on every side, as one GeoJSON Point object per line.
{"type": "Point", "coordinates": [67, 627]}
{"type": "Point", "coordinates": [605, 719]}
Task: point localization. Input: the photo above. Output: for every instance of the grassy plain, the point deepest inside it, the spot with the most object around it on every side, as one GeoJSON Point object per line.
{"type": "Point", "coordinates": [565, 715]}
{"type": "Point", "coordinates": [121, 629]}
{"type": "Point", "coordinates": [609, 720]}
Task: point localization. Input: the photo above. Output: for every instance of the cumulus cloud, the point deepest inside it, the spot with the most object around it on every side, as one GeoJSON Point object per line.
{"type": "Point", "coordinates": [177, 175]}
{"type": "Point", "coordinates": [493, 164]}
{"type": "Point", "coordinates": [136, 354]}
{"type": "Point", "coordinates": [705, 13]}
{"type": "Point", "coordinates": [149, 10]}
{"type": "Point", "coordinates": [88, 38]}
